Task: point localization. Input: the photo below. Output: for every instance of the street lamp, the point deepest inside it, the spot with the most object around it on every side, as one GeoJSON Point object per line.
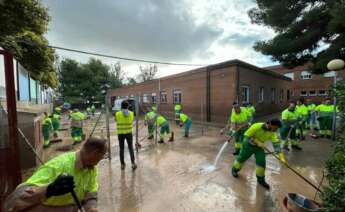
{"type": "Point", "coordinates": [335, 65]}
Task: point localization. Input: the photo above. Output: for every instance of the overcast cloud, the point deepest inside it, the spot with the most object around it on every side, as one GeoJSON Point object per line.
{"type": "Point", "coordinates": [184, 31]}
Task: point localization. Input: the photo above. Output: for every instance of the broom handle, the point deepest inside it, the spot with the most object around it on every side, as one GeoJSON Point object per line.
{"type": "Point", "coordinates": [292, 169]}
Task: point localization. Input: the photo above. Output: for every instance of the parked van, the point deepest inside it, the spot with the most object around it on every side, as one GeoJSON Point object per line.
{"type": "Point", "coordinates": [117, 105]}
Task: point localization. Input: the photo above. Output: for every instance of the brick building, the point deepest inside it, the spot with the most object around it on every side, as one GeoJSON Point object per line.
{"type": "Point", "coordinates": [207, 93]}
{"type": "Point", "coordinates": [307, 85]}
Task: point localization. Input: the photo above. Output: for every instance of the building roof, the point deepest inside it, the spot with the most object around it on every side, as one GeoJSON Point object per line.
{"type": "Point", "coordinates": [224, 64]}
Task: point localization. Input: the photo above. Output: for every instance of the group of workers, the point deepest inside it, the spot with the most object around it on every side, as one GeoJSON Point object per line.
{"type": "Point", "coordinates": [51, 124]}
{"type": "Point", "coordinates": [294, 125]}
{"type": "Point", "coordinates": [61, 182]}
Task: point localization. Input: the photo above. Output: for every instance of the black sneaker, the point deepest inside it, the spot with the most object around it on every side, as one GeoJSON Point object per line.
{"type": "Point", "coordinates": [236, 152]}
{"type": "Point", "coordinates": [264, 184]}
{"type": "Point", "coordinates": [123, 166]}
{"type": "Point", "coordinates": [296, 147]}
{"type": "Point", "coordinates": [234, 172]}
{"type": "Point", "coordinates": [161, 141]}
{"type": "Point", "coordinates": [186, 136]}
{"type": "Point", "coordinates": [150, 137]}
{"type": "Point", "coordinates": [134, 166]}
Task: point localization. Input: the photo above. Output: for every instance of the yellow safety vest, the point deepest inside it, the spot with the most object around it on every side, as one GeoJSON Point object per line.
{"type": "Point", "coordinates": [124, 123]}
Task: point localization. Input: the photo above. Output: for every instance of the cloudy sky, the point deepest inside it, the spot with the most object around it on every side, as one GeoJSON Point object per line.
{"type": "Point", "coordinates": [182, 31]}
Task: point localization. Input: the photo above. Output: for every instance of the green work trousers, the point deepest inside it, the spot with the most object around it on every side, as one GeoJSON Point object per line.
{"type": "Point", "coordinates": [239, 135]}
{"type": "Point", "coordinates": [164, 131]}
{"type": "Point", "coordinates": [246, 152]}
{"type": "Point", "coordinates": [326, 123]}
{"type": "Point", "coordinates": [284, 133]}
{"type": "Point", "coordinates": [46, 134]}
{"type": "Point", "coordinates": [77, 133]}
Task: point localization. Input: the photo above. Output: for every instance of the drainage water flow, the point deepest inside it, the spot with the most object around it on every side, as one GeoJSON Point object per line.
{"type": "Point", "coordinates": [213, 167]}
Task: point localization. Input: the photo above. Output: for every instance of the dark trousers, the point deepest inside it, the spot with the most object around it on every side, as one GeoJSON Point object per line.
{"type": "Point", "coordinates": [129, 139]}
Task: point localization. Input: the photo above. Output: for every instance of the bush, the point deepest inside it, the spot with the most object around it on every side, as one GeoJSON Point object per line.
{"type": "Point", "coordinates": [333, 196]}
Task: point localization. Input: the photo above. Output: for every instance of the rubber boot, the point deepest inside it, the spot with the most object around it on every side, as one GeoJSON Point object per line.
{"type": "Point", "coordinates": [123, 166]}
{"type": "Point", "coordinates": [150, 137]}
{"type": "Point", "coordinates": [134, 166]}
{"type": "Point", "coordinates": [263, 183]}
{"type": "Point", "coordinates": [236, 152]}
{"type": "Point", "coordinates": [161, 141]}
{"type": "Point", "coordinates": [171, 139]}
{"type": "Point", "coordinates": [286, 148]}
{"type": "Point", "coordinates": [234, 172]}
{"type": "Point", "coordinates": [296, 147]}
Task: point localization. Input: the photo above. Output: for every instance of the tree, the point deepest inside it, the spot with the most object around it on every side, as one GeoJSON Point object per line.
{"type": "Point", "coordinates": [81, 82]}
{"type": "Point", "coordinates": [116, 76]}
{"type": "Point", "coordinates": [307, 31]}
{"type": "Point", "coordinates": [147, 72]}
{"type": "Point", "coordinates": [131, 81]}
{"type": "Point", "coordinates": [22, 25]}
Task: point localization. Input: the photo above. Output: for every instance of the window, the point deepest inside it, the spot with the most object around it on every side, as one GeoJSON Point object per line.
{"type": "Point", "coordinates": [145, 98]}
{"type": "Point", "coordinates": [273, 95]}
{"type": "Point", "coordinates": [288, 95]}
{"type": "Point", "coordinates": [312, 93]}
{"type": "Point", "coordinates": [153, 98]}
{"type": "Point", "coordinates": [305, 75]}
{"type": "Point", "coordinates": [281, 95]}
{"type": "Point", "coordinates": [290, 75]}
{"type": "Point", "coordinates": [303, 93]}
{"type": "Point", "coordinates": [177, 95]}
{"type": "Point", "coordinates": [322, 93]}
{"type": "Point", "coordinates": [329, 74]}
{"type": "Point", "coordinates": [261, 94]}
{"type": "Point", "coordinates": [164, 98]}
{"type": "Point", "coordinates": [245, 94]}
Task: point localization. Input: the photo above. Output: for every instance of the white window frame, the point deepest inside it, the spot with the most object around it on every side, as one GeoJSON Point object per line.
{"type": "Point", "coordinates": [306, 93]}
{"type": "Point", "coordinates": [145, 98]}
{"type": "Point", "coordinates": [261, 94]}
{"type": "Point", "coordinates": [153, 98]}
{"type": "Point", "coordinates": [329, 74]}
{"type": "Point", "coordinates": [306, 75]}
{"type": "Point", "coordinates": [165, 99]}
{"type": "Point", "coordinates": [290, 75]}
{"type": "Point", "coordinates": [245, 94]}
{"type": "Point", "coordinates": [281, 95]}
{"type": "Point", "coordinates": [273, 95]}
{"type": "Point", "coordinates": [315, 93]}
{"type": "Point", "coordinates": [318, 93]}
{"type": "Point", "coordinates": [177, 96]}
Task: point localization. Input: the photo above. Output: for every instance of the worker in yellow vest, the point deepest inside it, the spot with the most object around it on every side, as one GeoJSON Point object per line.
{"type": "Point", "coordinates": [124, 121]}
{"type": "Point", "coordinates": [251, 112]}
{"type": "Point", "coordinates": [254, 143]}
{"type": "Point", "coordinates": [186, 123]}
{"type": "Point", "coordinates": [49, 188]}
{"type": "Point", "coordinates": [149, 119]}
{"type": "Point", "coordinates": [164, 129]}
{"type": "Point", "coordinates": [47, 127]}
{"type": "Point", "coordinates": [237, 124]}
{"type": "Point", "coordinates": [289, 126]}
{"type": "Point", "coordinates": [302, 112]}
{"type": "Point", "coordinates": [178, 110]}
{"type": "Point", "coordinates": [325, 118]}
{"type": "Point", "coordinates": [77, 118]}
{"type": "Point", "coordinates": [56, 121]}
{"type": "Point", "coordinates": [311, 122]}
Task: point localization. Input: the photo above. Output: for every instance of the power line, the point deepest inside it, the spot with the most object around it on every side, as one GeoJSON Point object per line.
{"type": "Point", "coordinates": [124, 58]}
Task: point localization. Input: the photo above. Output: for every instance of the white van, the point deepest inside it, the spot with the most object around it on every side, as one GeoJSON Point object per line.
{"type": "Point", "coordinates": [117, 105]}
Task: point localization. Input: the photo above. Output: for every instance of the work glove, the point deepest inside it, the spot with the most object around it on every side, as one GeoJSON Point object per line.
{"type": "Point", "coordinates": [63, 184]}
{"type": "Point", "coordinates": [181, 124]}
{"type": "Point", "coordinates": [281, 157]}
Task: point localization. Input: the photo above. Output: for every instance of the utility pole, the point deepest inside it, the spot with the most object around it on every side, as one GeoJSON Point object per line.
{"type": "Point", "coordinates": [13, 148]}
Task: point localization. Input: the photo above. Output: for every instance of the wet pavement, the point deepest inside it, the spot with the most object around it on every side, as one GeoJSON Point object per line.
{"type": "Point", "coordinates": [178, 176]}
